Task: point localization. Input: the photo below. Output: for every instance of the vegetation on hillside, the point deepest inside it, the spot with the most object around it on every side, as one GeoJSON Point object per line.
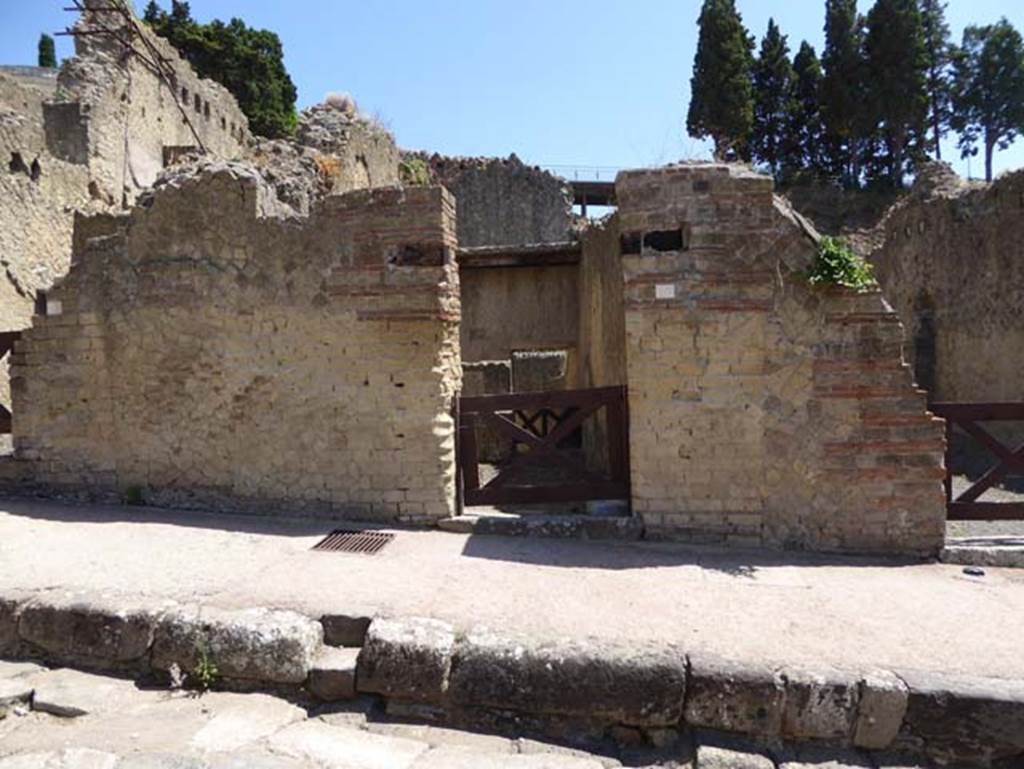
{"type": "Point", "coordinates": [248, 62]}
{"type": "Point", "coordinates": [888, 86]}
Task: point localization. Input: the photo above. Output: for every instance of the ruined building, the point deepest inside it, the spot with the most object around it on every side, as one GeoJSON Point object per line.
{"type": "Point", "coordinates": [282, 327]}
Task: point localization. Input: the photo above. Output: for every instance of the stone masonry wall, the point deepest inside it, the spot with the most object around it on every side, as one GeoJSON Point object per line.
{"type": "Point", "coordinates": [209, 351]}
{"type": "Point", "coordinates": [115, 115]}
{"type": "Point", "coordinates": [953, 265]}
{"type": "Point", "coordinates": [504, 202]}
{"type": "Point", "coordinates": [763, 411]}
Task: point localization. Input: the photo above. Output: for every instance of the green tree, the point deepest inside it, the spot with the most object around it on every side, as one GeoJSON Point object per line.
{"type": "Point", "coordinates": [721, 92]}
{"type": "Point", "coordinates": [773, 85]}
{"type": "Point", "coordinates": [47, 53]}
{"type": "Point", "coordinates": [804, 130]}
{"type": "Point", "coordinates": [152, 13]}
{"type": "Point", "coordinates": [842, 90]}
{"type": "Point", "coordinates": [988, 89]}
{"type": "Point", "coordinates": [897, 96]}
{"type": "Point", "coordinates": [248, 62]}
{"type": "Point", "coordinates": [939, 53]}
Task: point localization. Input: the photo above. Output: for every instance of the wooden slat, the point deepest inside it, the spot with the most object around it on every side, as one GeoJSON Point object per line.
{"type": "Point", "coordinates": [468, 453]}
{"type": "Point", "coordinates": [552, 399]}
{"type": "Point", "coordinates": [978, 412]}
{"type": "Point", "coordinates": [540, 255]}
{"type": "Point", "coordinates": [986, 511]}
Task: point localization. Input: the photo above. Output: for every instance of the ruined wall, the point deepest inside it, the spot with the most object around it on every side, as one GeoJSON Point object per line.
{"type": "Point", "coordinates": [763, 411]}
{"type": "Point", "coordinates": [209, 352]}
{"type": "Point", "coordinates": [503, 201]}
{"type": "Point", "coordinates": [354, 152]}
{"type": "Point", "coordinates": [952, 263]}
{"type": "Point", "coordinates": [518, 308]}
{"type": "Point", "coordinates": [116, 116]}
{"type": "Point", "coordinates": [37, 193]}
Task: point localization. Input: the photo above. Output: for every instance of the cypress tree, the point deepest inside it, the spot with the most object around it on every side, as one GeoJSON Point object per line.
{"type": "Point", "coordinates": [721, 92]}
{"type": "Point", "coordinates": [842, 90]}
{"type": "Point", "coordinates": [773, 84]}
{"type": "Point", "coordinates": [988, 91]}
{"type": "Point", "coordinates": [897, 96]}
{"type": "Point", "coordinates": [803, 123]}
{"type": "Point", "coordinates": [47, 53]}
{"type": "Point", "coordinates": [938, 51]}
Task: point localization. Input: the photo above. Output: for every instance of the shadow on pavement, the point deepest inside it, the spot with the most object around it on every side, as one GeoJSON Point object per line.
{"type": "Point", "coordinates": [575, 554]}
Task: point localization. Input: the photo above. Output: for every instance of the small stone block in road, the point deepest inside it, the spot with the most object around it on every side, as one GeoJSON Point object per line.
{"type": "Point", "coordinates": [709, 757]}
{"type": "Point", "coordinates": [332, 676]}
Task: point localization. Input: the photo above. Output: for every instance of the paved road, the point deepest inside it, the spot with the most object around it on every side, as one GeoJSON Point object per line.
{"type": "Point", "coordinates": [110, 723]}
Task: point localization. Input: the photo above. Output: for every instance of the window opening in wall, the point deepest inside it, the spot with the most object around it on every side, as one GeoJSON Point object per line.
{"type": "Point", "coordinates": [206, 110]}
{"type": "Point", "coordinates": [198, 103]}
{"type": "Point", "coordinates": [184, 95]}
{"type": "Point", "coordinates": [17, 164]}
{"type": "Point", "coordinates": [223, 123]}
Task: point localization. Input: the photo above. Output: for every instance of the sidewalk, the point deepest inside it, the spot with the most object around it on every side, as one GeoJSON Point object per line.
{"type": "Point", "coordinates": [752, 606]}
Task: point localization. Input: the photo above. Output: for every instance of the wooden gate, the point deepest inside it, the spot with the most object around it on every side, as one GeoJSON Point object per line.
{"type": "Point", "coordinates": [541, 427]}
{"type": "Point", "coordinates": [966, 416]}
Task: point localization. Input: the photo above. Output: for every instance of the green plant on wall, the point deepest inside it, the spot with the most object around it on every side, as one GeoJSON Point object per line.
{"type": "Point", "coordinates": [836, 264]}
{"type": "Point", "coordinates": [414, 172]}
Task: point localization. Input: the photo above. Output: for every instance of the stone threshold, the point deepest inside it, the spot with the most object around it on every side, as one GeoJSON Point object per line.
{"type": "Point", "coordinates": [570, 526]}
{"type": "Point", "coordinates": [1007, 552]}
{"type": "Point", "coordinates": [500, 681]}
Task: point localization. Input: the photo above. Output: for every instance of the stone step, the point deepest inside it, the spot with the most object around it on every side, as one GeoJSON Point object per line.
{"type": "Point", "coordinates": [592, 527]}
{"type": "Point", "coordinates": [332, 676]}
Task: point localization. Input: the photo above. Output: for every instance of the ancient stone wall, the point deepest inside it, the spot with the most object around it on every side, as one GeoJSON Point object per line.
{"type": "Point", "coordinates": [503, 201]}
{"type": "Point", "coordinates": [115, 115]}
{"type": "Point", "coordinates": [952, 263]}
{"type": "Point", "coordinates": [763, 411]}
{"type": "Point", "coordinates": [353, 152]}
{"type": "Point", "coordinates": [37, 193]}
{"type": "Point", "coordinates": [212, 349]}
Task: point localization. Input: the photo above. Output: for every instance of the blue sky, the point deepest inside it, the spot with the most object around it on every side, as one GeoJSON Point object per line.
{"type": "Point", "coordinates": [556, 82]}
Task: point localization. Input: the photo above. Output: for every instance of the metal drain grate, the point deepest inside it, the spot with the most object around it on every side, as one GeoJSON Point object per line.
{"type": "Point", "coordinates": [365, 542]}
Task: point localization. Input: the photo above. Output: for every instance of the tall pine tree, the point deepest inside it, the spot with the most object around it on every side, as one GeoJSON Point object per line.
{"type": "Point", "coordinates": [842, 90]}
{"type": "Point", "coordinates": [804, 130]}
{"type": "Point", "coordinates": [988, 92]}
{"type": "Point", "coordinates": [721, 92]}
{"type": "Point", "coordinates": [773, 85]}
{"type": "Point", "coordinates": [897, 96]}
{"type": "Point", "coordinates": [939, 53]}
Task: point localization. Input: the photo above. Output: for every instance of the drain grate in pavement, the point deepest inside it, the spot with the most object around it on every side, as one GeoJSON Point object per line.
{"type": "Point", "coordinates": [344, 541]}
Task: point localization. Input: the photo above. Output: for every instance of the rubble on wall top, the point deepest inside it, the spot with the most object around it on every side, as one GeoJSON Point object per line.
{"type": "Point", "coordinates": [328, 126]}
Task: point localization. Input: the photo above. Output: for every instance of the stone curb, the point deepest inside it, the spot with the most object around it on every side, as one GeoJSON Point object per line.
{"type": "Point", "coordinates": [121, 634]}
{"type": "Point", "coordinates": [971, 721]}
{"type": "Point", "coordinates": [425, 663]}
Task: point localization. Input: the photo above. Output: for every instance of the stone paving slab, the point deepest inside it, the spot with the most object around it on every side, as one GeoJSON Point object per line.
{"type": "Point", "coordinates": [71, 693]}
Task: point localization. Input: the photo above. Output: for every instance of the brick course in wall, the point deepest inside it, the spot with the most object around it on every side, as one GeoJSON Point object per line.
{"type": "Point", "coordinates": [210, 351]}
{"type": "Point", "coordinates": [763, 410]}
